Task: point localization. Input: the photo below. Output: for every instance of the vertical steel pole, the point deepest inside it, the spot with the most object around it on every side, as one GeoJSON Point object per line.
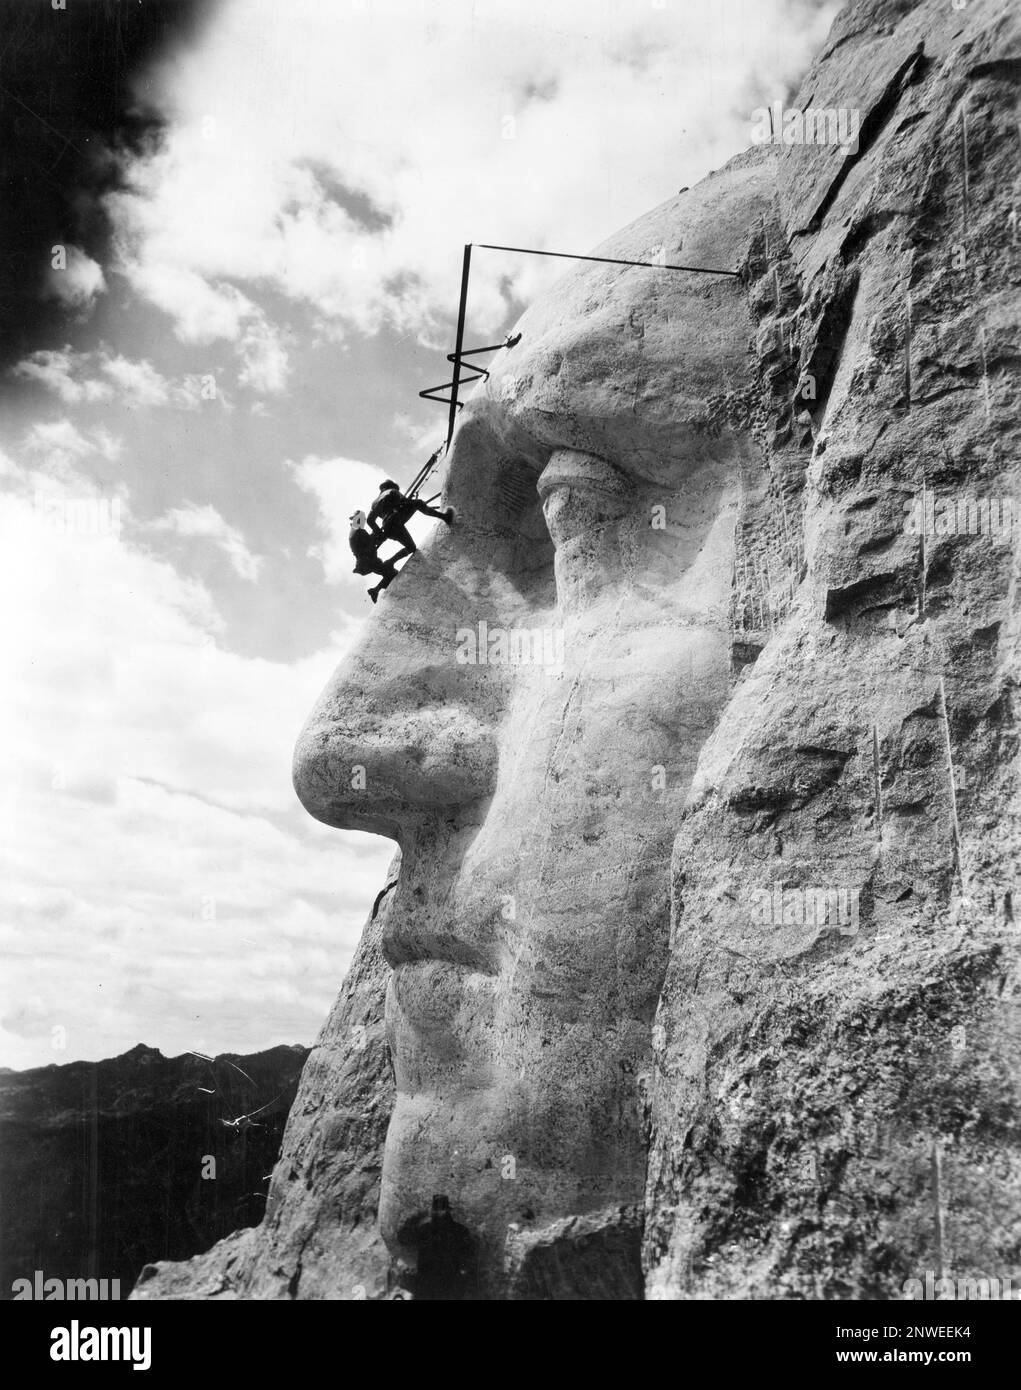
{"type": "Point", "coordinates": [465, 269]}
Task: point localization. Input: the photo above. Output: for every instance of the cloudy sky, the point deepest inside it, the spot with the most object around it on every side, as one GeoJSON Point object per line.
{"type": "Point", "coordinates": [232, 238]}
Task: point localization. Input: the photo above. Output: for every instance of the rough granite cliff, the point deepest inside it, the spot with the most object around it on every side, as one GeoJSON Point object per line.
{"type": "Point", "coordinates": [700, 975]}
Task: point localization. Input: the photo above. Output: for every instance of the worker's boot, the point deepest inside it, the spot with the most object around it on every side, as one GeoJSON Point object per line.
{"type": "Point", "coordinates": [448, 516]}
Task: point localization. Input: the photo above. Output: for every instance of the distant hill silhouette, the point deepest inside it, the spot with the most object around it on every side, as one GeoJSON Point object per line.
{"type": "Point", "coordinates": [101, 1163]}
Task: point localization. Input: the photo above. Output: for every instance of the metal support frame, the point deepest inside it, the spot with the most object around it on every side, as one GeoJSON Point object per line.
{"type": "Point", "coordinates": [467, 373]}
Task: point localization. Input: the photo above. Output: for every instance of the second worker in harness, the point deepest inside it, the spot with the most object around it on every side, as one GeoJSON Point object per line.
{"type": "Point", "coordinates": [364, 545]}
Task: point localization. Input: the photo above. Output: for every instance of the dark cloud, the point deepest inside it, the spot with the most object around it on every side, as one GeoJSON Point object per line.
{"type": "Point", "coordinates": [69, 101]}
{"type": "Point", "coordinates": [356, 204]}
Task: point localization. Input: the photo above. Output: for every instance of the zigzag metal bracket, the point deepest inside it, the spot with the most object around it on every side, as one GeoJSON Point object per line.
{"type": "Point", "coordinates": [477, 373]}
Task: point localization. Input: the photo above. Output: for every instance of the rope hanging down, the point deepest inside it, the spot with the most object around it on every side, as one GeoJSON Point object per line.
{"type": "Point", "coordinates": [465, 373]}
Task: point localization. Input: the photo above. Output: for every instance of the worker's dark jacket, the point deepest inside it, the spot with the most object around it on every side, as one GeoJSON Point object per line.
{"type": "Point", "coordinates": [391, 507]}
{"type": "Point", "coordinates": [363, 548]}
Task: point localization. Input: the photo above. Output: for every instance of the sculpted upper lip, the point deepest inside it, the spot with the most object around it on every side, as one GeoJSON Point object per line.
{"type": "Point", "coordinates": [421, 962]}
{"type": "Point", "coordinates": [404, 945]}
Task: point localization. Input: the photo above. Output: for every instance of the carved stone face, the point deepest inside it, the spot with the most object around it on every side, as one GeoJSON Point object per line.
{"type": "Point", "coordinates": [528, 705]}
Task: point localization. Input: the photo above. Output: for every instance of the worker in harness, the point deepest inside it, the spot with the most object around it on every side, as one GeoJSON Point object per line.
{"type": "Point", "coordinates": [390, 513]}
{"type": "Point", "coordinates": [365, 547]}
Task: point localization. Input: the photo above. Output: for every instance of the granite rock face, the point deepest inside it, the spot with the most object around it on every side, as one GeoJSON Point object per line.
{"type": "Point", "coordinates": [836, 1100]}
{"type": "Point", "coordinates": [700, 970]}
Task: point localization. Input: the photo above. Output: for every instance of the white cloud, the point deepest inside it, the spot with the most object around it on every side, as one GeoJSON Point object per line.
{"type": "Point", "coordinates": [139, 382]}
{"type": "Point", "coordinates": [264, 358]}
{"type": "Point", "coordinates": [424, 436]}
{"type": "Point", "coordinates": [161, 882]}
{"type": "Point", "coordinates": [207, 522]}
{"type": "Point", "coordinates": [203, 310]}
{"type": "Point", "coordinates": [58, 445]}
{"type": "Point", "coordinates": [106, 444]}
{"type": "Point", "coordinates": [545, 124]}
{"type": "Point", "coordinates": [58, 437]}
{"type": "Point", "coordinates": [134, 383]}
{"type": "Point", "coordinates": [58, 371]}
{"type": "Point", "coordinates": [77, 283]}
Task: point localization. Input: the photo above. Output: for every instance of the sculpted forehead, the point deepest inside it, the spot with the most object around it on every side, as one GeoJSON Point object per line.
{"type": "Point", "coordinates": [630, 363]}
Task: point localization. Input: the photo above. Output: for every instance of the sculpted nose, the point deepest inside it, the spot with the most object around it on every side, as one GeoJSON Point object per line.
{"type": "Point", "coordinates": [396, 735]}
{"type": "Point", "coordinates": [404, 729]}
